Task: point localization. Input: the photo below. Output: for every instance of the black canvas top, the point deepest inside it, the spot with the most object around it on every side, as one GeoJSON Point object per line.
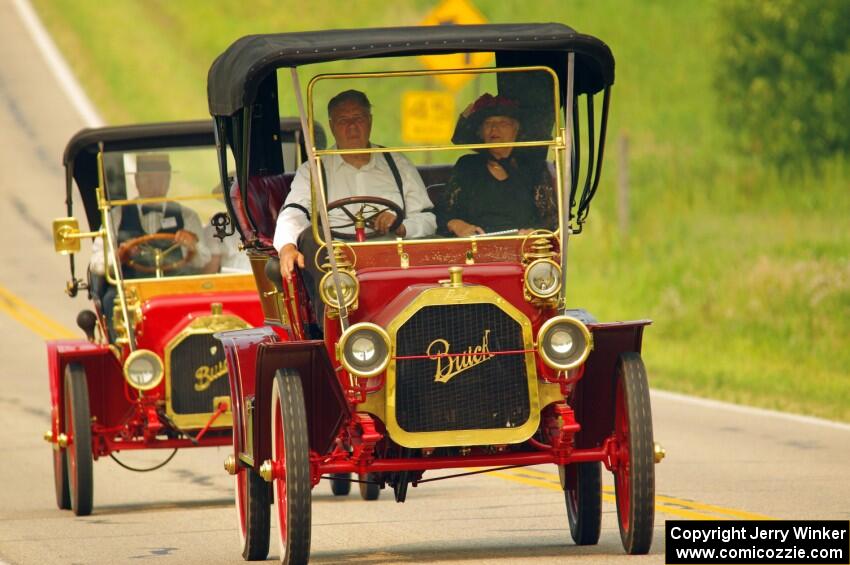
{"type": "Point", "coordinates": [235, 75]}
{"type": "Point", "coordinates": [80, 157]}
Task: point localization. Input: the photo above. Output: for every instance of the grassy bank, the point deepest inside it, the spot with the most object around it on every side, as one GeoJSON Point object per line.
{"type": "Point", "coordinates": [745, 272]}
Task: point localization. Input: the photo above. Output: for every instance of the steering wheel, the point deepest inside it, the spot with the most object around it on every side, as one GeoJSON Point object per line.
{"type": "Point", "coordinates": [132, 248]}
{"type": "Point", "coordinates": [370, 207]}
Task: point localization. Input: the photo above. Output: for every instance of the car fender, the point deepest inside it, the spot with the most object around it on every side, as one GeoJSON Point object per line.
{"type": "Point", "coordinates": [593, 397]}
{"type": "Point", "coordinates": [253, 358]}
{"type": "Point", "coordinates": [99, 363]}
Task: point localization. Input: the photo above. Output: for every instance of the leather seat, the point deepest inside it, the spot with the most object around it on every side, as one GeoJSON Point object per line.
{"type": "Point", "coordinates": [266, 195]}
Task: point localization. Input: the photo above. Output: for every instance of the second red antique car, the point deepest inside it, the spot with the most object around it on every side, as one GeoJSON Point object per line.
{"type": "Point", "coordinates": [435, 352]}
{"type": "Point", "coordinates": [148, 374]}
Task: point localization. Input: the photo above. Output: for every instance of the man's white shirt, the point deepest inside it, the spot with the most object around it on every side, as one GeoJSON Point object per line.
{"type": "Point", "coordinates": [152, 222]}
{"type": "Point", "coordinates": [344, 180]}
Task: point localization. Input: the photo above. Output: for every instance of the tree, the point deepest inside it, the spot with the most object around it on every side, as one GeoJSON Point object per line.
{"type": "Point", "coordinates": [783, 77]}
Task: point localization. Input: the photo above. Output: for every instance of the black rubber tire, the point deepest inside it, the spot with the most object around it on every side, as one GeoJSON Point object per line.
{"type": "Point", "coordinates": [60, 478]}
{"type": "Point", "coordinates": [253, 510]}
{"type": "Point", "coordinates": [340, 484]}
{"type": "Point", "coordinates": [634, 480]}
{"type": "Point", "coordinates": [582, 484]}
{"type": "Point", "coordinates": [370, 490]}
{"type": "Point", "coordinates": [292, 496]}
{"type": "Point", "coordinates": [78, 429]}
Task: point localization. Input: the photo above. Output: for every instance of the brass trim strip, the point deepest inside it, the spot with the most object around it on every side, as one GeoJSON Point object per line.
{"type": "Point", "coordinates": [414, 148]}
{"type": "Point", "coordinates": [159, 199]}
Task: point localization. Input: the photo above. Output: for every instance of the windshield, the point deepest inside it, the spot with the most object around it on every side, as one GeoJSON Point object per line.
{"type": "Point", "coordinates": [423, 155]}
{"type": "Point", "coordinates": [161, 207]}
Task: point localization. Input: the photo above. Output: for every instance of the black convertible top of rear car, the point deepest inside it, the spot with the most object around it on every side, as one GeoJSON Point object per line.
{"type": "Point", "coordinates": [80, 156]}
{"type": "Point", "coordinates": [139, 136]}
{"type": "Point", "coordinates": [235, 75]}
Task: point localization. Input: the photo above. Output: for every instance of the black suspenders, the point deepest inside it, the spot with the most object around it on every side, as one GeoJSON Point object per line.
{"type": "Point", "coordinates": [393, 169]}
{"type": "Point", "coordinates": [397, 177]}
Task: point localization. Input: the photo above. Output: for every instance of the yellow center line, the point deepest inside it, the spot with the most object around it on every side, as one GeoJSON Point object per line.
{"type": "Point", "coordinates": [31, 317]}
{"type": "Point", "coordinates": [678, 507]}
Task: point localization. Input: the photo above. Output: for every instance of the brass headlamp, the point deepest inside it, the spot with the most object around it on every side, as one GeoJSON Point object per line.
{"type": "Point", "coordinates": [564, 342]}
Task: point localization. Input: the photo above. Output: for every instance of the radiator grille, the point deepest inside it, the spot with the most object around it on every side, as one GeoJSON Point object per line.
{"type": "Point", "coordinates": [491, 394]}
{"type": "Point", "coordinates": [197, 362]}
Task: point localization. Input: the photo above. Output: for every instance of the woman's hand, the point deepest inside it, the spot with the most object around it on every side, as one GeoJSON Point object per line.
{"type": "Point", "coordinates": [463, 229]}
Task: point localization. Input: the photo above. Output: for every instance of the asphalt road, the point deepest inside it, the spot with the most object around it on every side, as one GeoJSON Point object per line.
{"type": "Point", "coordinates": [722, 463]}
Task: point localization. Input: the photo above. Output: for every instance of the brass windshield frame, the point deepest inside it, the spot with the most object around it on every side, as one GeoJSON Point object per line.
{"type": "Point", "coordinates": [110, 244]}
{"type": "Point", "coordinates": [558, 144]}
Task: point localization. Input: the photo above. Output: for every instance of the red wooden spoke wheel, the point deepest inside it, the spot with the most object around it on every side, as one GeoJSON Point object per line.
{"type": "Point", "coordinates": [253, 510]}
{"type": "Point", "coordinates": [291, 468]}
{"type": "Point", "coordinates": [78, 430]}
{"type": "Point", "coordinates": [582, 484]}
{"type": "Point", "coordinates": [128, 250]}
{"type": "Point", "coordinates": [634, 472]}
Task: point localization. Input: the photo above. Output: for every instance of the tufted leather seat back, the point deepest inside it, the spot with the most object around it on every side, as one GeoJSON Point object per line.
{"type": "Point", "coordinates": [266, 195]}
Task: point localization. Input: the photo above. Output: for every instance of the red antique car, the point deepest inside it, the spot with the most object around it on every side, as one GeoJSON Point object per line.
{"type": "Point", "coordinates": [430, 352]}
{"type": "Point", "coordinates": [148, 374]}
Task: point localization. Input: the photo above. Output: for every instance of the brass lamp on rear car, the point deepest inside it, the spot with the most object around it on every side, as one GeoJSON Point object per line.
{"type": "Point", "coordinates": [143, 369]}
{"type": "Point", "coordinates": [364, 350]}
{"type": "Point", "coordinates": [564, 343]}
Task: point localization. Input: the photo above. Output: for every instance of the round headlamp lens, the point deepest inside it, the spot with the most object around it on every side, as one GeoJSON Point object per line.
{"type": "Point", "coordinates": [365, 350]}
{"type": "Point", "coordinates": [543, 278]}
{"type": "Point", "coordinates": [143, 369]}
{"type": "Point", "coordinates": [561, 342]}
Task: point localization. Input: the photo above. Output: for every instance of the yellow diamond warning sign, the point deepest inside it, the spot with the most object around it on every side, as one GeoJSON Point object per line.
{"type": "Point", "coordinates": [427, 116]}
{"type": "Point", "coordinates": [455, 12]}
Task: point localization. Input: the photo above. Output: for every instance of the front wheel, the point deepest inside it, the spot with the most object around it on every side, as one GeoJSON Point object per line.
{"type": "Point", "coordinates": [582, 484]}
{"type": "Point", "coordinates": [369, 488]}
{"type": "Point", "coordinates": [60, 478]}
{"type": "Point", "coordinates": [291, 461]}
{"type": "Point", "coordinates": [253, 509]}
{"type": "Point", "coordinates": [340, 484]}
{"type": "Point", "coordinates": [634, 465]}
{"type": "Point", "coordinates": [78, 429]}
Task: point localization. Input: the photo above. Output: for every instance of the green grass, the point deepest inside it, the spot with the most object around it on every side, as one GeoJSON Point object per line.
{"type": "Point", "coordinates": [745, 272]}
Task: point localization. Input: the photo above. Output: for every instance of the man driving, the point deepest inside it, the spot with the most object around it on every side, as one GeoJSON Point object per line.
{"type": "Point", "coordinates": [153, 179]}
{"type": "Point", "coordinates": [392, 177]}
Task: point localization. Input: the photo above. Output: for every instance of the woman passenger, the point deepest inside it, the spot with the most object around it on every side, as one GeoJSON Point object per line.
{"type": "Point", "coordinates": [495, 189]}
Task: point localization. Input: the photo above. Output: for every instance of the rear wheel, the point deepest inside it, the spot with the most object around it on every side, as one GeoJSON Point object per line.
{"type": "Point", "coordinates": [634, 473]}
{"type": "Point", "coordinates": [60, 478]}
{"type": "Point", "coordinates": [582, 484]}
{"type": "Point", "coordinates": [79, 460]}
{"type": "Point", "coordinates": [291, 461]}
{"type": "Point", "coordinates": [340, 484]}
{"type": "Point", "coordinates": [369, 488]}
{"type": "Point", "coordinates": [253, 508]}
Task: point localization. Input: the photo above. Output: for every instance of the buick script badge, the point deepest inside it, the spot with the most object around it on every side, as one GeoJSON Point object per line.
{"type": "Point", "coordinates": [205, 375]}
{"type": "Point", "coordinates": [451, 365]}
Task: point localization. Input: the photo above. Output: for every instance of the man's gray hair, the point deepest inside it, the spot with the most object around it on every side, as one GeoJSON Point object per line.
{"type": "Point", "coordinates": [349, 96]}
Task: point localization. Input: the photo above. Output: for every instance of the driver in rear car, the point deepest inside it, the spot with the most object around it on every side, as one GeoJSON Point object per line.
{"type": "Point", "coordinates": [153, 179]}
{"type": "Point", "coordinates": [382, 175]}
